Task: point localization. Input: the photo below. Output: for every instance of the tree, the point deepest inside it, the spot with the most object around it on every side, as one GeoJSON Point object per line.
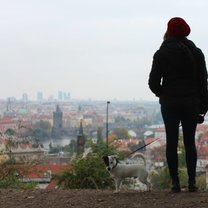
{"type": "Point", "coordinates": [121, 133]}
{"type": "Point", "coordinates": [71, 148]}
{"type": "Point", "coordinates": [10, 132]}
{"type": "Point", "coordinates": [46, 125]}
{"type": "Point", "coordinates": [141, 123]}
{"type": "Point", "coordinates": [41, 130]}
{"type": "Point", "coordinates": [99, 134]}
{"type": "Point", "coordinates": [40, 134]}
{"type": "Point", "coordinates": [55, 149]}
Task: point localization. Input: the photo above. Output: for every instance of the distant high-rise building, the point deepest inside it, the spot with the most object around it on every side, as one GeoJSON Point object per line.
{"type": "Point", "coordinates": [24, 97]}
{"type": "Point", "coordinates": [9, 112]}
{"type": "Point", "coordinates": [57, 128]}
{"type": "Point", "coordinates": [63, 96]}
{"type": "Point", "coordinates": [67, 96]}
{"type": "Point", "coordinates": [39, 96]}
{"type": "Point", "coordinates": [51, 98]}
{"type": "Point", "coordinates": [60, 95]}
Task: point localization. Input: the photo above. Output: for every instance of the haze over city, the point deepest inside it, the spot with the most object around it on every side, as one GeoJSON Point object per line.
{"type": "Point", "coordinates": [92, 49]}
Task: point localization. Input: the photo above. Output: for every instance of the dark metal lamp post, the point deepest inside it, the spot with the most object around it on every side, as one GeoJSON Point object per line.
{"type": "Point", "coordinates": [108, 102]}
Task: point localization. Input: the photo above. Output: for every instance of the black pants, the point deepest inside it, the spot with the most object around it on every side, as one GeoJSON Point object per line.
{"type": "Point", "coordinates": [172, 117]}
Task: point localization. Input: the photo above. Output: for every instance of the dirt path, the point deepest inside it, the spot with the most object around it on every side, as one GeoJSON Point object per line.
{"type": "Point", "coordinates": [100, 199]}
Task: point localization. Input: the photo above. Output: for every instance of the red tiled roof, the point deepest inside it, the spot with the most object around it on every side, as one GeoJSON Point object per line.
{"type": "Point", "coordinates": [203, 150]}
{"type": "Point", "coordinates": [39, 170]}
{"type": "Point", "coordinates": [52, 184]}
{"type": "Point", "coordinates": [202, 127]}
{"type": "Point", "coordinates": [150, 140]}
{"type": "Point", "coordinates": [204, 138]}
{"type": "Point", "coordinates": [7, 120]}
{"type": "Point", "coordinates": [162, 129]}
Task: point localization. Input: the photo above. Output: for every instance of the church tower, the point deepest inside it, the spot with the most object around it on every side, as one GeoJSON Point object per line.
{"type": "Point", "coordinates": [80, 140]}
{"type": "Point", "coordinates": [57, 128]}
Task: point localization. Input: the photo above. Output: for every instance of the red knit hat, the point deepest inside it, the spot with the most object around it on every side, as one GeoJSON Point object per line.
{"type": "Point", "coordinates": [177, 27]}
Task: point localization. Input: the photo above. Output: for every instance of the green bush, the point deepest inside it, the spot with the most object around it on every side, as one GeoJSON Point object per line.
{"type": "Point", "coordinates": [201, 181]}
{"type": "Point", "coordinates": [10, 176]}
{"type": "Point", "coordinates": [87, 173]}
{"type": "Point", "coordinates": [161, 179]}
{"type": "Point", "coordinates": [16, 184]}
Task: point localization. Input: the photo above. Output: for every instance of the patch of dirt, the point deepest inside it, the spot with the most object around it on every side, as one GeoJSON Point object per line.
{"type": "Point", "coordinates": [100, 199]}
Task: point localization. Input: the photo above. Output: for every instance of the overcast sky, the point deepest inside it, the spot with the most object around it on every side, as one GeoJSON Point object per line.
{"type": "Point", "coordinates": [98, 49]}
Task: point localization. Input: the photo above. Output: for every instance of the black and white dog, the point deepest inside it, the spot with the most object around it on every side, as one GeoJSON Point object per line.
{"type": "Point", "coordinates": [120, 171]}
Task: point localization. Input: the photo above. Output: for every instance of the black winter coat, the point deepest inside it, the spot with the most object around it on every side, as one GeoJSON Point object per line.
{"type": "Point", "coordinates": [178, 75]}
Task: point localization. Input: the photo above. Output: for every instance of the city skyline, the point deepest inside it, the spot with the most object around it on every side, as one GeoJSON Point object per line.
{"type": "Point", "coordinates": [66, 96]}
{"type": "Point", "coordinates": [100, 50]}
{"type": "Point", "coordinates": [40, 96]}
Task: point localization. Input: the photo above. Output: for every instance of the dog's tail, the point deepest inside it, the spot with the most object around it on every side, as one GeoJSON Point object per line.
{"type": "Point", "coordinates": [140, 158]}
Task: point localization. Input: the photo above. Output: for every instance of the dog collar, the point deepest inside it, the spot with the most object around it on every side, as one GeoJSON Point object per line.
{"type": "Point", "coordinates": [115, 164]}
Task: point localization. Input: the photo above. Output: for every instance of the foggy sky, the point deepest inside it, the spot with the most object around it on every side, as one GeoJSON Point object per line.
{"type": "Point", "coordinates": [98, 49]}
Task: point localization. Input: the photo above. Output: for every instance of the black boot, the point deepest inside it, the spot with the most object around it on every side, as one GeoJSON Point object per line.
{"type": "Point", "coordinates": [175, 185]}
{"type": "Point", "coordinates": [192, 186]}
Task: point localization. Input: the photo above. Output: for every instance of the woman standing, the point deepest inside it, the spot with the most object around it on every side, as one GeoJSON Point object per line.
{"type": "Point", "coordinates": [179, 78]}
